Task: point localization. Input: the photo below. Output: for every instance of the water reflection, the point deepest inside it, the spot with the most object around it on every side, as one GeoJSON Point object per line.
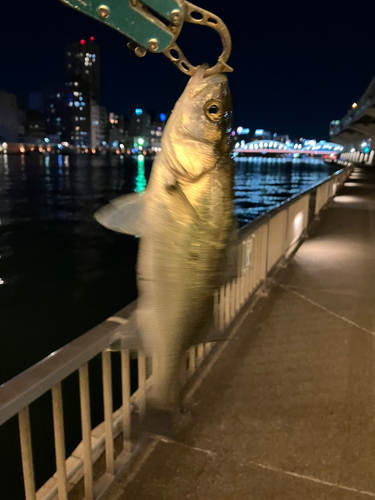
{"type": "Point", "coordinates": [262, 183]}
{"type": "Point", "coordinates": [140, 180]}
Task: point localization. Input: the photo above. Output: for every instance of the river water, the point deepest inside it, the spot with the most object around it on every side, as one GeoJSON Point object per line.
{"type": "Point", "coordinates": [61, 273]}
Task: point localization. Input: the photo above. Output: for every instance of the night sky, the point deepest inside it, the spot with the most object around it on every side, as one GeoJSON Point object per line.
{"type": "Point", "coordinates": [297, 65]}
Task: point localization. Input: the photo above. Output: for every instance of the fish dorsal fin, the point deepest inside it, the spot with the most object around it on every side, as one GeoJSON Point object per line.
{"type": "Point", "coordinates": [123, 214]}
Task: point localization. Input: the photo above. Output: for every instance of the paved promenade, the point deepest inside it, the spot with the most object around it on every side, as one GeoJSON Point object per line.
{"type": "Point", "coordinates": [287, 411]}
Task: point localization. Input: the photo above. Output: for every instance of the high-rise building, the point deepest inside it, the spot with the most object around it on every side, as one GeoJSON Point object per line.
{"type": "Point", "coordinates": [139, 127]}
{"type": "Point", "coordinates": [77, 120]}
{"type": "Point", "coordinates": [98, 124]}
{"type": "Point", "coordinates": [55, 109]}
{"type": "Point", "coordinates": [83, 65]}
{"type": "Point", "coordinates": [156, 131]}
{"type": "Point", "coordinates": [35, 131]}
{"type": "Point", "coordinates": [82, 92]}
{"type": "Point", "coordinates": [118, 130]}
{"type": "Point", "coordinates": [8, 117]}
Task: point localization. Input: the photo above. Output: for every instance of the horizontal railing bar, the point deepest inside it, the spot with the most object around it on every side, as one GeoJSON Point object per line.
{"type": "Point", "coordinates": [29, 385]}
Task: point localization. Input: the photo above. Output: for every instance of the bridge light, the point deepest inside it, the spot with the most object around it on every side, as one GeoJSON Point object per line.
{"type": "Point", "coordinates": [354, 105]}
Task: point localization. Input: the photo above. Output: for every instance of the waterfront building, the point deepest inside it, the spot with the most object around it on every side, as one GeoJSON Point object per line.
{"type": "Point", "coordinates": [82, 93]}
{"type": "Point", "coordinates": [83, 65]}
{"type": "Point", "coordinates": [116, 130]}
{"type": "Point", "coordinates": [55, 109]}
{"type": "Point", "coordinates": [140, 123]}
{"type": "Point", "coordinates": [261, 134]}
{"type": "Point", "coordinates": [98, 125]}
{"type": "Point", "coordinates": [35, 130]}
{"type": "Point", "coordinates": [140, 129]}
{"type": "Point", "coordinates": [282, 138]}
{"type": "Point", "coordinates": [156, 132]}
{"type": "Point", "coordinates": [8, 117]}
{"type": "Point", "coordinates": [78, 114]}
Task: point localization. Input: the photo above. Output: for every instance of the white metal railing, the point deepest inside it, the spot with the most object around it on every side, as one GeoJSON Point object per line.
{"type": "Point", "coordinates": [263, 244]}
{"type": "Point", "coordinates": [357, 157]}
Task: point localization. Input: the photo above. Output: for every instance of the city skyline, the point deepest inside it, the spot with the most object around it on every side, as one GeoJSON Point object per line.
{"type": "Point", "coordinates": [293, 74]}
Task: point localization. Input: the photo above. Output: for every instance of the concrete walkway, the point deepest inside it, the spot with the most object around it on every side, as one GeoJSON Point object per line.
{"type": "Point", "coordinates": [288, 410]}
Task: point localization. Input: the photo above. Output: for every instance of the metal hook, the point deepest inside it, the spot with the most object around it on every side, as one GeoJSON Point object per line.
{"type": "Point", "coordinates": [197, 15]}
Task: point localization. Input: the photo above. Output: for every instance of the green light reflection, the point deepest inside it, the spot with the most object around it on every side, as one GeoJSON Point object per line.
{"type": "Point", "coordinates": [140, 180]}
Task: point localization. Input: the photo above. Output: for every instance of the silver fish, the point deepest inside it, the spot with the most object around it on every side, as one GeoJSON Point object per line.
{"type": "Point", "coordinates": [183, 218]}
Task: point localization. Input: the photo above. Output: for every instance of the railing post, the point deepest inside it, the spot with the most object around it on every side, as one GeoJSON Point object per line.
{"type": "Point", "coordinates": [200, 353]}
{"type": "Point", "coordinates": [125, 383]}
{"type": "Point", "coordinates": [216, 315]}
{"type": "Point", "coordinates": [108, 410]}
{"type": "Point", "coordinates": [191, 361]}
{"type": "Point", "coordinates": [227, 304]}
{"type": "Point", "coordinates": [222, 308]}
{"type": "Point", "coordinates": [58, 426]}
{"type": "Point", "coordinates": [265, 270]}
{"type": "Point", "coordinates": [84, 394]}
{"type": "Point", "coordinates": [26, 453]}
{"type": "Point", "coordinates": [142, 383]}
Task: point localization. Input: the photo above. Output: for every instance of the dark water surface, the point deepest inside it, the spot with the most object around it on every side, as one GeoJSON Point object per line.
{"type": "Point", "coordinates": [61, 273]}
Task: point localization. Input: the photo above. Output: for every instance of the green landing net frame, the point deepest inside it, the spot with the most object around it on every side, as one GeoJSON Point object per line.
{"type": "Point", "coordinates": [154, 25]}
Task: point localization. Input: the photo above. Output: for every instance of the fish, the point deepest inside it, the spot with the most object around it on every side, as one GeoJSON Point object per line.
{"type": "Point", "coordinates": [184, 221]}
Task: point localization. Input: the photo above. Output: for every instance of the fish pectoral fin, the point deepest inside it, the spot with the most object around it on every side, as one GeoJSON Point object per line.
{"type": "Point", "coordinates": [123, 214]}
{"type": "Point", "coordinates": [126, 336]}
{"type": "Point", "coordinates": [182, 207]}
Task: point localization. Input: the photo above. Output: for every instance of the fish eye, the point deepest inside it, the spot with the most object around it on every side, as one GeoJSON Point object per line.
{"type": "Point", "coordinates": [214, 110]}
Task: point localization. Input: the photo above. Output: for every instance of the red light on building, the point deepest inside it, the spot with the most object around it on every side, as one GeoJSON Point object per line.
{"type": "Point", "coordinates": [92, 38]}
{"type": "Point", "coordinates": [82, 42]}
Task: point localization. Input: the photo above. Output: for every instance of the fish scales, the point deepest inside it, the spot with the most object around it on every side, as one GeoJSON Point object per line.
{"type": "Point", "coordinates": [185, 217]}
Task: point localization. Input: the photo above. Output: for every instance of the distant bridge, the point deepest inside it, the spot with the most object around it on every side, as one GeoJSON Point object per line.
{"type": "Point", "coordinates": [272, 147]}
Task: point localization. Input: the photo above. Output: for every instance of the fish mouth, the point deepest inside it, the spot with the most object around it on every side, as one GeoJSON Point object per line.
{"type": "Point", "coordinates": [200, 75]}
{"type": "Point", "coordinates": [200, 83]}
